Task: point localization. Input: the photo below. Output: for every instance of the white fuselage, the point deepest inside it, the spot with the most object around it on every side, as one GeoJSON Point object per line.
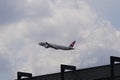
{"type": "Point", "coordinates": [61, 47]}
{"type": "Point", "coordinates": [49, 45]}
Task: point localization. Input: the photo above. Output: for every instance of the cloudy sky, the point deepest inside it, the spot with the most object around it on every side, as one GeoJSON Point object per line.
{"type": "Point", "coordinates": [94, 24]}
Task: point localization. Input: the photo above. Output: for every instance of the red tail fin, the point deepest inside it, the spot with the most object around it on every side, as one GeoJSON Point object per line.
{"type": "Point", "coordinates": [72, 44]}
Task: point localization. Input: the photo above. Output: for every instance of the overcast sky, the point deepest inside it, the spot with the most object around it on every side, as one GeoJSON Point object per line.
{"type": "Point", "coordinates": [24, 23]}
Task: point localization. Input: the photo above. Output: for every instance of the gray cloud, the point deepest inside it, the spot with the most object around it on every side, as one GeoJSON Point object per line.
{"type": "Point", "coordinates": [8, 11]}
{"type": "Point", "coordinates": [95, 57]}
{"type": "Point", "coordinates": [5, 66]}
{"type": "Point", "coordinates": [14, 11]}
{"type": "Point", "coordinates": [109, 10]}
{"type": "Point", "coordinates": [57, 22]}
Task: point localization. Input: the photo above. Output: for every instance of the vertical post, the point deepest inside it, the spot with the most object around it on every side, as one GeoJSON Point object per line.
{"type": "Point", "coordinates": [112, 62]}
{"type": "Point", "coordinates": [68, 67]}
{"type": "Point", "coordinates": [62, 73]}
{"type": "Point", "coordinates": [112, 67]}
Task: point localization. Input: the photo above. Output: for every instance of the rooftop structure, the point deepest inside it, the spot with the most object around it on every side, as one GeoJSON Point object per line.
{"type": "Point", "coordinates": [106, 72]}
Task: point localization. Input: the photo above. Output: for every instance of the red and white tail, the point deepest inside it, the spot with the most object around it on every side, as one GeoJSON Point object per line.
{"type": "Point", "coordinates": [72, 44]}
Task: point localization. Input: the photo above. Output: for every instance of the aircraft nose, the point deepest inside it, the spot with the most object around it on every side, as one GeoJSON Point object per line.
{"type": "Point", "coordinates": [39, 43]}
{"type": "Point", "coordinates": [42, 44]}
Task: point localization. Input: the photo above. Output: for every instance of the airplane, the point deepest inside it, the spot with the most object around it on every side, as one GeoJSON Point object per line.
{"type": "Point", "coordinates": [54, 46]}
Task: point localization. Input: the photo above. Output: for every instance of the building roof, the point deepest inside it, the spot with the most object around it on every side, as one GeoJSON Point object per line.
{"type": "Point", "coordinates": [93, 73]}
